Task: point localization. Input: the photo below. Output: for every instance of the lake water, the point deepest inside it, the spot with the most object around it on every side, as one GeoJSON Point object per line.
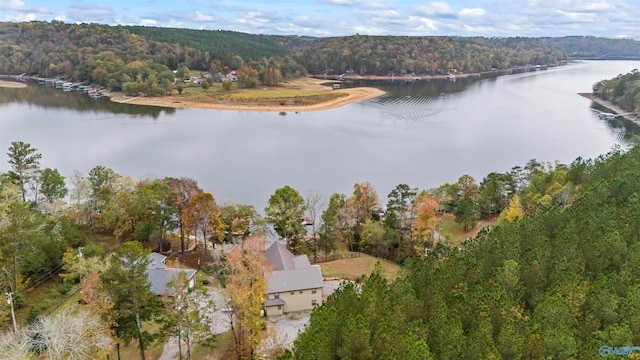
{"type": "Point", "coordinates": [422, 133]}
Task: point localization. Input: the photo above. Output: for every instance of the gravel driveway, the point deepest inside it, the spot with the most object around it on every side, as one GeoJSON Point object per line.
{"type": "Point", "coordinates": [286, 326]}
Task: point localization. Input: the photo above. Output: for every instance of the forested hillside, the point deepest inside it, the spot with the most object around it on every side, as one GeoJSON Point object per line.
{"type": "Point", "coordinates": [623, 90]}
{"type": "Point", "coordinates": [381, 55]}
{"type": "Point", "coordinates": [559, 282]}
{"type": "Point", "coordinates": [114, 55]}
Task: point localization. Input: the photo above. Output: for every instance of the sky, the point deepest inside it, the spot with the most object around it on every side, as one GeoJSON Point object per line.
{"type": "Point", "coordinates": [325, 18]}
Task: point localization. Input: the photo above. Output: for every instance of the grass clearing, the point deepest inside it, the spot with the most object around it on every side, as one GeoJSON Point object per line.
{"type": "Point", "coordinates": [354, 267]}
{"type": "Point", "coordinates": [299, 92]}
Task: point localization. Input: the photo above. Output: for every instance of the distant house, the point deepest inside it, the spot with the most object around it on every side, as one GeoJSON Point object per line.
{"type": "Point", "coordinates": [294, 284]}
{"type": "Point", "coordinates": [159, 274]}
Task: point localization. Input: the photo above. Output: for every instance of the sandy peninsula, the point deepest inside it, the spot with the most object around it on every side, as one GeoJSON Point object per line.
{"type": "Point", "coordinates": [12, 84]}
{"type": "Point", "coordinates": [340, 98]}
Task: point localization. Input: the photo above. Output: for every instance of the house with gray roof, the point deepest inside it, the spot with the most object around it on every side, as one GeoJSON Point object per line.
{"type": "Point", "coordinates": [159, 274]}
{"type": "Point", "coordinates": [294, 284]}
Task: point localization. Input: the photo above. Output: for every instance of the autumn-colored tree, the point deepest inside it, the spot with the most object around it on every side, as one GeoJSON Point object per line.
{"type": "Point", "coordinates": [183, 190]}
{"type": "Point", "coordinates": [247, 77]}
{"type": "Point", "coordinates": [205, 84]}
{"type": "Point", "coordinates": [203, 218]}
{"type": "Point", "coordinates": [423, 231]}
{"type": "Point", "coordinates": [514, 212]}
{"type": "Point", "coordinates": [246, 285]}
{"type": "Point", "coordinates": [364, 204]}
{"type": "Point", "coordinates": [271, 76]}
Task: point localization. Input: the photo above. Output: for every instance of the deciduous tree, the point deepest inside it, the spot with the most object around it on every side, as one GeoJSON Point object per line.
{"type": "Point", "coordinates": [189, 318]}
{"type": "Point", "coordinates": [285, 212]}
{"type": "Point", "coordinates": [70, 334]}
{"type": "Point", "coordinates": [103, 182]}
{"type": "Point", "coordinates": [246, 286]}
{"type": "Point", "coordinates": [204, 218]}
{"type": "Point", "coordinates": [424, 228]}
{"type": "Point", "coordinates": [364, 203]}
{"type": "Point", "coordinates": [183, 190]}
{"type": "Point", "coordinates": [52, 185]}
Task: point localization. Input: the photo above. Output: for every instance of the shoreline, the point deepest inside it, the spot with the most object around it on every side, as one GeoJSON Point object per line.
{"type": "Point", "coordinates": [12, 84]}
{"type": "Point", "coordinates": [635, 118]}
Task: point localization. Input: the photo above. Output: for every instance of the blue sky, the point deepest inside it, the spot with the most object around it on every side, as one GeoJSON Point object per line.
{"type": "Point", "coordinates": [608, 18]}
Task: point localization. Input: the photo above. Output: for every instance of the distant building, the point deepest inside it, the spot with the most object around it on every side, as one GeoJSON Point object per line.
{"type": "Point", "coordinates": [294, 284]}
{"type": "Point", "coordinates": [159, 274]}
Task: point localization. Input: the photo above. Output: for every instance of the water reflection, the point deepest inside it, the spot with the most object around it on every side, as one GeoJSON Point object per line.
{"type": "Point", "coordinates": [623, 128]}
{"type": "Point", "coordinates": [50, 98]}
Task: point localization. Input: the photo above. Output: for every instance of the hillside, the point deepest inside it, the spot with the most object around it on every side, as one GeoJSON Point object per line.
{"type": "Point", "coordinates": [560, 282]}
{"type": "Point", "coordinates": [112, 55]}
{"type": "Point", "coordinates": [621, 91]}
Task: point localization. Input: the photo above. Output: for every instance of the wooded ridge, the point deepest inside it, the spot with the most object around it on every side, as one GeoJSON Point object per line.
{"type": "Point", "coordinates": [113, 55]}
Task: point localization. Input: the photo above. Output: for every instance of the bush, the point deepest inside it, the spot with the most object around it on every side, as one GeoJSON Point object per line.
{"type": "Point", "coordinates": [95, 249]}
{"type": "Point", "coordinates": [64, 288]}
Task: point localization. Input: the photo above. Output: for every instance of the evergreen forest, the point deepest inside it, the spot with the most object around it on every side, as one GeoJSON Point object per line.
{"type": "Point", "coordinates": [558, 282]}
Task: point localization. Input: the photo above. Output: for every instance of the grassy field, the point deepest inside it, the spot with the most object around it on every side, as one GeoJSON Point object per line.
{"type": "Point", "coordinates": [353, 267]}
{"type": "Point", "coordinates": [261, 95]}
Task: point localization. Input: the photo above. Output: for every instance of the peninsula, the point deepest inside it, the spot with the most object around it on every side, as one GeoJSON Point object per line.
{"type": "Point", "coordinates": [304, 94]}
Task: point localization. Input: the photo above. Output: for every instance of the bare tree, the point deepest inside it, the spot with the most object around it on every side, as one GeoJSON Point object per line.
{"type": "Point", "coordinates": [69, 335]}
{"type": "Point", "coordinates": [14, 345]}
{"type": "Point", "coordinates": [315, 202]}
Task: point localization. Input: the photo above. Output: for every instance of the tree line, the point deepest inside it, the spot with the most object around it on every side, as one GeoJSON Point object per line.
{"type": "Point", "coordinates": [138, 59]}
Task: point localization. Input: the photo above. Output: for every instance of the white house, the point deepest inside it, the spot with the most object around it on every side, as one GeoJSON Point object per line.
{"type": "Point", "coordinates": [159, 274]}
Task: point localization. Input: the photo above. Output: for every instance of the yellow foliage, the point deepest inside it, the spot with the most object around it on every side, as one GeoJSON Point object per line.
{"type": "Point", "coordinates": [514, 212]}
{"type": "Point", "coordinates": [247, 287]}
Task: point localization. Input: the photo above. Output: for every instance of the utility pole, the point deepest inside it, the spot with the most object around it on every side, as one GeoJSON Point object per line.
{"type": "Point", "coordinates": [13, 315]}
{"type": "Point", "coordinates": [15, 263]}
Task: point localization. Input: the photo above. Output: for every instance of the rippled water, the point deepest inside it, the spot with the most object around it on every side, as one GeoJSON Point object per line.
{"type": "Point", "coordinates": [422, 133]}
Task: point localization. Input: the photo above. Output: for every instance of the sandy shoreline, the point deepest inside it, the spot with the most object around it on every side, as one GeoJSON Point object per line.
{"type": "Point", "coordinates": [613, 107]}
{"type": "Point", "coordinates": [182, 102]}
{"type": "Point", "coordinates": [12, 84]}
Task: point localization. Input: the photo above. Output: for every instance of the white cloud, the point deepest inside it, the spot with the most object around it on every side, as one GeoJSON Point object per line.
{"type": "Point", "coordinates": [423, 23]}
{"type": "Point", "coordinates": [597, 6]}
{"type": "Point", "coordinates": [15, 5]}
{"type": "Point", "coordinates": [577, 16]}
{"type": "Point", "coordinates": [30, 17]}
{"type": "Point", "coordinates": [202, 17]}
{"type": "Point", "coordinates": [475, 12]}
{"type": "Point", "coordinates": [435, 8]}
{"type": "Point", "coordinates": [336, 2]}
{"type": "Point", "coordinates": [148, 22]}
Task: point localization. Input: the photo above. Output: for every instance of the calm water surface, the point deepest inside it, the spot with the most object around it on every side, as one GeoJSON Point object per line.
{"type": "Point", "coordinates": [422, 133]}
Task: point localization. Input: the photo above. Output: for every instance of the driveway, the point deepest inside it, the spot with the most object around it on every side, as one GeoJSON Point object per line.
{"type": "Point", "coordinates": [286, 327]}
